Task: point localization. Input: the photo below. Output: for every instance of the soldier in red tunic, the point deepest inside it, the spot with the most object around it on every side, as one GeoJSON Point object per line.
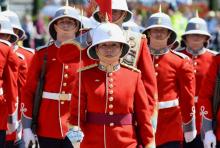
{"type": "Point", "coordinates": [112, 97]}
{"type": "Point", "coordinates": [206, 105]}
{"type": "Point", "coordinates": [24, 56]}
{"type": "Point", "coordinates": [196, 38]}
{"type": "Point", "coordinates": [176, 84]}
{"type": "Point", "coordinates": [8, 77]}
{"type": "Point", "coordinates": [54, 108]}
{"type": "Point", "coordinates": [138, 55]}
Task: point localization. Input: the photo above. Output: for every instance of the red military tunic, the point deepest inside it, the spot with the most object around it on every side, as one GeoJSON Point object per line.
{"type": "Point", "coordinates": [145, 65]}
{"type": "Point", "coordinates": [176, 83]}
{"type": "Point", "coordinates": [201, 62]}
{"type": "Point", "coordinates": [110, 94]}
{"type": "Point", "coordinates": [206, 96]}
{"type": "Point", "coordinates": [8, 85]}
{"type": "Point", "coordinates": [54, 110]}
{"type": "Point", "coordinates": [24, 57]}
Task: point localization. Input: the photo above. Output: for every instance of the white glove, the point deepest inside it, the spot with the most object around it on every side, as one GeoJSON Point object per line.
{"type": "Point", "coordinates": [28, 137]}
{"type": "Point", "coordinates": [190, 136]}
{"type": "Point", "coordinates": [209, 140]}
{"type": "Point", "coordinates": [12, 127]}
{"type": "Point", "coordinates": [75, 135]}
{"type": "Point", "coordinates": [19, 133]}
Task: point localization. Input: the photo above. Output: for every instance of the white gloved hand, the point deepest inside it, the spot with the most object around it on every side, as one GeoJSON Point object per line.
{"type": "Point", "coordinates": [75, 135]}
{"type": "Point", "coordinates": [12, 127]}
{"type": "Point", "coordinates": [28, 137]}
{"type": "Point", "coordinates": [190, 136]}
{"type": "Point", "coordinates": [209, 140]}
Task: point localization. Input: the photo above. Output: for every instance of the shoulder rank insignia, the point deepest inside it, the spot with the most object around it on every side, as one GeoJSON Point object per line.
{"type": "Point", "coordinates": [44, 46]}
{"type": "Point", "coordinates": [28, 49]}
{"type": "Point", "coordinates": [87, 67]}
{"type": "Point", "coordinates": [180, 49]}
{"type": "Point", "coordinates": [182, 55]}
{"type": "Point", "coordinates": [130, 67]}
{"type": "Point", "coordinates": [212, 51]}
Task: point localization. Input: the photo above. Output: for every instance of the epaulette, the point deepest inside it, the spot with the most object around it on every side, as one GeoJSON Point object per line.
{"type": "Point", "coordinates": [28, 49]}
{"type": "Point", "coordinates": [87, 67]}
{"type": "Point", "coordinates": [182, 55]}
{"type": "Point", "coordinates": [44, 46]}
{"type": "Point", "coordinates": [180, 49]}
{"type": "Point", "coordinates": [212, 51]}
{"type": "Point", "coordinates": [5, 42]}
{"type": "Point", "coordinates": [21, 56]}
{"type": "Point", "coordinates": [131, 67]}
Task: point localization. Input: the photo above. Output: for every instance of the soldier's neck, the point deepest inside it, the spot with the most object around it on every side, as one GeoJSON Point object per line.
{"type": "Point", "coordinates": [158, 46]}
{"type": "Point", "coordinates": [198, 51]}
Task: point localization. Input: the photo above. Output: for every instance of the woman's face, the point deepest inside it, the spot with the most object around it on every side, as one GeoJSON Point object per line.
{"type": "Point", "coordinates": [195, 41]}
{"type": "Point", "coordinates": [109, 49]}
{"type": "Point", "coordinates": [159, 33]}
{"type": "Point", "coordinates": [118, 16]}
{"type": "Point", "coordinates": [67, 24]}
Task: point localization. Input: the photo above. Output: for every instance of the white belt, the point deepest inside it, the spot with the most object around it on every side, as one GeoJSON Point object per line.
{"type": "Point", "coordinates": [1, 91]}
{"type": "Point", "coordinates": [196, 99]}
{"type": "Point", "coordinates": [168, 104]}
{"type": "Point", "coordinates": [56, 96]}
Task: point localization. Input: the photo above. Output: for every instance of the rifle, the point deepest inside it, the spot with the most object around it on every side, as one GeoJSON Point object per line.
{"type": "Point", "coordinates": [38, 96]}
{"type": "Point", "coordinates": [216, 100]}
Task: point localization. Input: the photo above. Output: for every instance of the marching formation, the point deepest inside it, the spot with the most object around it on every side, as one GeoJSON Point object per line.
{"type": "Point", "coordinates": [101, 85]}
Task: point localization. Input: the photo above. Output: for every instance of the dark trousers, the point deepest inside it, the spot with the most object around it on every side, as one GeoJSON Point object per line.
{"type": "Point", "coordinates": [2, 138]}
{"type": "Point", "coordinates": [218, 144]}
{"type": "Point", "coordinates": [196, 143]}
{"type": "Point", "coordinates": [54, 143]}
{"type": "Point", "coordinates": [12, 144]}
{"type": "Point", "coordinates": [174, 144]}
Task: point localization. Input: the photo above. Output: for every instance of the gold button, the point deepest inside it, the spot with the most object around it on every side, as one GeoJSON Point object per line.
{"type": "Point", "coordinates": [110, 92]}
{"type": "Point", "coordinates": [63, 92]}
{"type": "Point", "coordinates": [156, 57]}
{"type": "Point", "coordinates": [156, 73]}
{"type": "Point", "coordinates": [62, 102]}
{"type": "Point", "coordinates": [195, 56]}
{"type": "Point", "coordinates": [111, 113]}
{"type": "Point", "coordinates": [111, 124]}
{"type": "Point", "coordinates": [110, 85]}
{"type": "Point", "coordinates": [195, 71]}
{"type": "Point", "coordinates": [110, 74]}
{"type": "Point", "coordinates": [156, 65]}
{"type": "Point", "coordinates": [64, 84]}
{"type": "Point", "coordinates": [110, 106]}
{"type": "Point", "coordinates": [110, 98]}
{"type": "Point", "coordinates": [195, 63]}
{"type": "Point", "coordinates": [66, 67]}
{"type": "Point", "coordinates": [66, 76]}
{"type": "Point", "coordinates": [110, 80]}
